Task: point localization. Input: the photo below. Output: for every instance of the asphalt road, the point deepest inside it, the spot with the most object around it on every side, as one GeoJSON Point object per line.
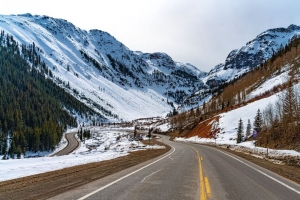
{"type": "Point", "coordinates": [71, 146]}
{"type": "Point", "coordinates": [190, 171]}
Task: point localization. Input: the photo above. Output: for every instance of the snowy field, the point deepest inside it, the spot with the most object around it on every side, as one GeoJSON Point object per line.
{"type": "Point", "coordinates": [105, 145]}
{"type": "Point", "coordinates": [228, 124]}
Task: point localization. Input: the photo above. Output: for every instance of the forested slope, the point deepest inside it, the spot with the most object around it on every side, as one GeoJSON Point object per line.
{"type": "Point", "coordinates": [34, 111]}
{"type": "Point", "coordinates": [279, 122]}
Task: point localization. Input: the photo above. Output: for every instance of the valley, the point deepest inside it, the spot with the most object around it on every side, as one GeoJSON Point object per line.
{"type": "Point", "coordinates": [84, 117]}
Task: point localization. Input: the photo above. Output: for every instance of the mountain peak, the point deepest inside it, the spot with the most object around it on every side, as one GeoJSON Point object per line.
{"type": "Point", "coordinates": [25, 15]}
{"type": "Point", "coordinates": [101, 71]}
{"type": "Point", "coordinates": [255, 52]}
{"type": "Point", "coordinates": [293, 27]}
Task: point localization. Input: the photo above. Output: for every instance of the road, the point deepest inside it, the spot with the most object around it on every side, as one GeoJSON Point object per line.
{"type": "Point", "coordinates": [71, 146]}
{"type": "Point", "coordinates": [190, 171]}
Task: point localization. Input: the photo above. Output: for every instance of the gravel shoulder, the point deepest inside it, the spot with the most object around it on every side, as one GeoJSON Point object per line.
{"type": "Point", "coordinates": [290, 171]}
{"type": "Point", "coordinates": [46, 185]}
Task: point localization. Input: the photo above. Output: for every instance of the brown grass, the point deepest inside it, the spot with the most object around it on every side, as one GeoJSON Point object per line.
{"type": "Point", "coordinates": [46, 185]}
{"type": "Point", "coordinates": [204, 129]}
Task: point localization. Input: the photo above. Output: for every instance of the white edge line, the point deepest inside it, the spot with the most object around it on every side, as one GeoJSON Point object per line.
{"type": "Point", "coordinates": [274, 179]}
{"type": "Point", "coordinates": [102, 188]}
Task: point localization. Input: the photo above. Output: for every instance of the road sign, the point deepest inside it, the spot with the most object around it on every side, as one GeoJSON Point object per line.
{"type": "Point", "coordinates": [254, 133]}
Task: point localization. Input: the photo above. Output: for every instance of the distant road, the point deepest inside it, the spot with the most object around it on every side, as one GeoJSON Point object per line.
{"type": "Point", "coordinates": [190, 171]}
{"type": "Point", "coordinates": [71, 146]}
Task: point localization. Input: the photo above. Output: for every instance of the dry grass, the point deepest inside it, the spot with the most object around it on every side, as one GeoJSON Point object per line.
{"type": "Point", "coordinates": [204, 129]}
{"type": "Point", "coordinates": [290, 170]}
{"type": "Point", "coordinates": [46, 185]}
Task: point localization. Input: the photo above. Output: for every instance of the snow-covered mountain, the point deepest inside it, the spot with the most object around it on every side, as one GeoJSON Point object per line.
{"type": "Point", "coordinates": [101, 71]}
{"type": "Point", "coordinates": [124, 84]}
{"type": "Point", "coordinates": [241, 61]}
{"type": "Point", "coordinates": [252, 54]}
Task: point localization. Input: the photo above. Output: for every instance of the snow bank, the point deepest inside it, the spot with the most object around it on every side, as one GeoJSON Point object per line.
{"type": "Point", "coordinates": [104, 145]}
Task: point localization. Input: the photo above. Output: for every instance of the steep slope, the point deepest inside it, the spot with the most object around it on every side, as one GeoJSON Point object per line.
{"type": "Point", "coordinates": [101, 71]}
{"type": "Point", "coordinates": [265, 100]}
{"type": "Point", "coordinates": [243, 60]}
{"type": "Point", "coordinates": [34, 112]}
{"type": "Point", "coordinates": [257, 51]}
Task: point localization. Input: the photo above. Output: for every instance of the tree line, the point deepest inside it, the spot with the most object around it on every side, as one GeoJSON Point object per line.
{"type": "Point", "coordinates": [34, 112]}
{"type": "Point", "coordinates": [281, 121]}
{"type": "Point", "coordinates": [235, 94]}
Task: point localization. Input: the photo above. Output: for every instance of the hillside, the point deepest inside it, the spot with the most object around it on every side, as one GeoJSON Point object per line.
{"type": "Point", "coordinates": [102, 72]}
{"type": "Point", "coordinates": [243, 60]}
{"type": "Point", "coordinates": [122, 84]}
{"type": "Point", "coordinates": [265, 100]}
{"type": "Point", "coordinates": [119, 84]}
{"type": "Point", "coordinates": [34, 111]}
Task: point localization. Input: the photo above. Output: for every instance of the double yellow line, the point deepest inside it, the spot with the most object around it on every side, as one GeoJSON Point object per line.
{"type": "Point", "coordinates": [205, 191]}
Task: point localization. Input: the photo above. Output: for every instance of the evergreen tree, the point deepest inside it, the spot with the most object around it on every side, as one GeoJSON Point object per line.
{"type": "Point", "coordinates": [33, 109]}
{"type": "Point", "coordinates": [240, 131]}
{"type": "Point", "coordinates": [18, 152]}
{"type": "Point", "coordinates": [192, 114]}
{"type": "Point", "coordinates": [134, 132]}
{"type": "Point", "coordinates": [80, 135]}
{"type": "Point", "coordinates": [290, 104]}
{"type": "Point", "coordinates": [149, 133]}
{"type": "Point", "coordinates": [275, 129]}
{"type": "Point", "coordinates": [248, 129]}
{"type": "Point", "coordinates": [198, 112]}
{"type": "Point", "coordinates": [257, 121]}
{"type": "Point", "coordinates": [289, 110]}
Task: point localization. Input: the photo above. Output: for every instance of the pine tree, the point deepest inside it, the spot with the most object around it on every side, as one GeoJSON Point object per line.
{"type": "Point", "coordinates": [198, 112]}
{"type": "Point", "coordinates": [248, 129]}
{"type": "Point", "coordinates": [289, 110]}
{"type": "Point", "coordinates": [134, 132]}
{"type": "Point", "coordinates": [275, 131]}
{"type": "Point", "coordinates": [80, 135]}
{"type": "Point", "coordinates": [192, 114]}
{"type": "Point", "coordinates": [257, 121]}
{"type": "Point", "coordinates": [149, 133]}
{"type": "Point", "coordinates": [290, 104]}
{"type": "Point", "coordinates": [240, 131]}
{"type": "Point", "coordinates": [18, 152]}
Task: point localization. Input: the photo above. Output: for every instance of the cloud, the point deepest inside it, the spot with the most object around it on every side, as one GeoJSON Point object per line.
{"type": "Point", "coordinates": [199, 32]}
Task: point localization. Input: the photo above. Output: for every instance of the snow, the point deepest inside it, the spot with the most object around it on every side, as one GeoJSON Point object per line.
{"type": "Point", "coordinates": [61, 42]}
{"type": "Point", "coordinates": [164, 127]}
{"type": "Point", "coordinates": [246, 147]}
{"type": "Point", "coordinates": [106, 148]}
{"type": "Point", "coordinates": [228, 124]}
{"type": "Point", "coordinates": [262, 47]}
{"type": "Point", "coordinates": [270, 84]}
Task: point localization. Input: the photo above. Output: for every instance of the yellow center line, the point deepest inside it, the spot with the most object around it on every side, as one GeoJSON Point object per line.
{"type": "Point", "coordinates": [205, 191]}
{"type": "Point", "coordinates": [208, 191]}
{"type": "Point", "coordinates": [202, 189]}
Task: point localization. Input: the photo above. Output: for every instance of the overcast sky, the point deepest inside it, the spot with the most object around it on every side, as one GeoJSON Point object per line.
{"type": "Point", "coordinates": [200, 32]}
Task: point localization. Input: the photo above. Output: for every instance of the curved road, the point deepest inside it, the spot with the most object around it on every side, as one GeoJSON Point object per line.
{"type": "Point", "coordinates": [190, 171]}
{"type": "Point", "coordinates": [71, 146]}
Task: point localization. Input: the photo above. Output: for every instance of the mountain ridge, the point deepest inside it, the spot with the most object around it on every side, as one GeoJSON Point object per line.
{"type": "Point", "coordinates": [243, 60]}
{"type": "Point", "coordinates": [258, 50]}
{"type": "Point", "coordinates": [116, 81]}
{"type": "Point", "coordinates": [103, 70]}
